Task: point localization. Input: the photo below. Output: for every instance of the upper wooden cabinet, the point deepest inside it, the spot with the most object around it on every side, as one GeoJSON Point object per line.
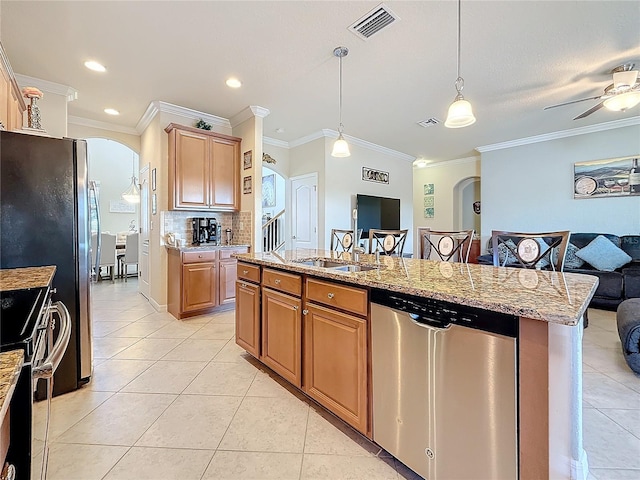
{"type": "Point", "coordinates": [204, 169]}
{"type": "Point", "coordinates": [11, 101]}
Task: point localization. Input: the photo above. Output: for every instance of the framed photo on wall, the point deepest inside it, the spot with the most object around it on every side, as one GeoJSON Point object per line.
{"type": "Point", "coordinates": [247, 160]}
{"type": "Point", "coordinates": [246, 184]}
{"type": "Point", "coordinates": [613, 177]}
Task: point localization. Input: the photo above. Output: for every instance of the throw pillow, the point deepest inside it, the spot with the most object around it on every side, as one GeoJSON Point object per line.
{"type": "Point", "coordinates": [603, 255]}
{"type": "Point", "coordinates": [571, 260]}
{"type": "Point", "coordinates": [505, 255]}
{"type": "Point", "coordinates": [544, 261]}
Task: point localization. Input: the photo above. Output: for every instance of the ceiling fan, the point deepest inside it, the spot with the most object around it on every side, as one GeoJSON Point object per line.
{"type": "Point", "coordinates": [622, 94]}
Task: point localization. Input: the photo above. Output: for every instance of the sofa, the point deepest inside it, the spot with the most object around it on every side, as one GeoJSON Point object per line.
{"type": "Point", "coordinates": [614, 286]}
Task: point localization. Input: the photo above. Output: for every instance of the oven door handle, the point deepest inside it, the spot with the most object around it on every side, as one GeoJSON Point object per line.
{"type": "Point", "coordinates": [50, 364]}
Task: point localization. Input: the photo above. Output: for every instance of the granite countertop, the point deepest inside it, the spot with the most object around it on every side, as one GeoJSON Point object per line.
{"type": "Point", "coordinates": [195, 248]}
{"type": "Point", "coordinates": [10, 365]}
{"type": "Point", "coordinates": [23, 278]}
{"type": "Point", "coordinates": [541, 295]}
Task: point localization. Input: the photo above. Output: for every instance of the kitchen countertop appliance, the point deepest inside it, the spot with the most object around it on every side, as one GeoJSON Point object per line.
{"type": "Point", "coordinates": [28, 324]}
{"type": "Point", "coordinates": [444, 387]}
{"type": "Point", "coordinates": [205, 230]}
{"type": "Point", "coordinates": [45, 221]}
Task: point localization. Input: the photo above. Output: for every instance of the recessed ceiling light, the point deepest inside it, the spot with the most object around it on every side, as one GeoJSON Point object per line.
{"type": "Point", "coordinates": [95, 66]}
{"type": "Point", "coordinates": [111, 111]}
{"type": "Point", "coordinates": [234, 83]}
{"type": "Point", "coordinates": [280, 130]}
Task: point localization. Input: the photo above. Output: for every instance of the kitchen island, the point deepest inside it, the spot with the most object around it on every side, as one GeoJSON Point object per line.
{"type": "Point", "coordinates": [328, 354]}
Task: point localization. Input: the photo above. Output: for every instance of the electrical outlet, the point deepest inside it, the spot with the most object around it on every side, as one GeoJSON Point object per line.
{"type": "Point", "coordinates": [241, 225]}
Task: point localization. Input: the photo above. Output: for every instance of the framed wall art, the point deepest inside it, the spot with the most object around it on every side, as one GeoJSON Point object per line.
{"type": "Point", "coordinates": [371, 175]}
{"type": "Point", "coordinates": [247, 160]}
{"type": "Point", "coordinates": [429, 189]}
{"type": "Point", "coordinates": [153, 179]}
{"type": "Point", "coordinates": [246, 184]}
{"type": "Point", "coordinates": [614, 177]}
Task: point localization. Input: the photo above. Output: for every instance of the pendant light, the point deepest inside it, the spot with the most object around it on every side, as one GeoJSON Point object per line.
{"type": "Point", "coordinates": [460, 112]}
{"type": "Point", "coordinates": [132, 194]}
{"type": "Point", "coordinates": [340, 147]}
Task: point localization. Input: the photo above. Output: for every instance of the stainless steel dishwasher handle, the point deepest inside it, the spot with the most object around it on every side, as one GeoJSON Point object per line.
{"type": "Point", "coordinates": [428, 327]}
{"type": "Point", "coordinates": [50, 364]}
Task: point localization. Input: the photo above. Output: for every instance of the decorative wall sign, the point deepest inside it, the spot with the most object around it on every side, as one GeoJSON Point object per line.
{"type": "Point", "coordinates": [615, 177]}
{"type": "Point", "coordinates": [371, 175]}
{"type": "Point", "coordinates": [246, 184]}
{"type": "Point", "coordinates": [429, 189]}
{"type": "Point", "coordinates": [120, 206]}
{"type": "Point", "coordinates": [476, 207]}
{"type": "Point", "coordinates": [247, 160]}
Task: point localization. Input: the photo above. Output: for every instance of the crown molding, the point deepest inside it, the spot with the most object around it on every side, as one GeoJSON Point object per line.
{"type": "Point", "coordinates": [307, 138]}
{"type": "Point", "coordinates": [158, 106]}
{"type": "Point", "coordinates": [275, 142]}
{"type": "Point", "coordinates": [371, 146]}
{"type": "Point", "coordinates": [4, 62]}
{"type": "Point", "coordinates": [46, 86]}
{"type": "Point", "coordinates": [600, 127]}
{"type": "Point", "coordinates": [448, 163]}
{"type": "Point", "coordinates": [87, 122]}
{"type": "Point", "coordinates": [247, 113]}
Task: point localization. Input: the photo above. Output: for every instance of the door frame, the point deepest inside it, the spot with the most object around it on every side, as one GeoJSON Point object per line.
{"type": "Point", "coordinates": [289, 243]}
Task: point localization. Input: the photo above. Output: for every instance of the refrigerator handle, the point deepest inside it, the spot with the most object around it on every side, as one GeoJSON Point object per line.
{"type": "Point", "coordinates": [96, 198]}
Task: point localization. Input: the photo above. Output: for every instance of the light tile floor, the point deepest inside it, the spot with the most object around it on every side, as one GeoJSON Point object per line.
{"type": "Point", "coordinates": [176, 399]}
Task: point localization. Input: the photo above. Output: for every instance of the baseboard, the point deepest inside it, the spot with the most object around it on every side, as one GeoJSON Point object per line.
{"type": "Point", "coordinates": [157, 306]}
{"type": "Point", "coordinates": [580, 467]}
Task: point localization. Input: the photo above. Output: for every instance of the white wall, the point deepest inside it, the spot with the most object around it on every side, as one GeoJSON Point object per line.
{"type": "Point", "coordinates": [445, 177]}
{"type": "Point", "coordinates": [343, 181]}
{"type": "Point", "coordinates": [112, 164]}
{"type": "Point", "coordinates": [281, 156]}
{"type": "Point", "coordinates": [82, 131]}
{"type": "Point", "coordinates": [530, 187]}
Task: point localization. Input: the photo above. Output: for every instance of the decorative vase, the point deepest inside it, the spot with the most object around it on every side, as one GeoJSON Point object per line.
{"type": "Point", "coordinates": [33, 114]}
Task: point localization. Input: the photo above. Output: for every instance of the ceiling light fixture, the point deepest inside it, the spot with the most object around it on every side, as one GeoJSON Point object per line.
{"type": "Point", "coordinates": [111, 111]}
{"type": "Point", "coordinates": [95, 66]}
{"type": "Point", "coordinates": [624, 82]}
{"type": "Point", "coordinates": [233, 83]}
{"type": "Point", "coordinates": [340, 147]}
{"type": "Point", "coordinates": [420, 163]}
{"type": "Point", "coordinates": [460, 112]}
{"type": "Point", "coordinates": [132, 194]}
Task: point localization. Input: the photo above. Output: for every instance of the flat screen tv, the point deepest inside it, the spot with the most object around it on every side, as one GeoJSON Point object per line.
{"type": "Point", "coordinates": [377, 213]}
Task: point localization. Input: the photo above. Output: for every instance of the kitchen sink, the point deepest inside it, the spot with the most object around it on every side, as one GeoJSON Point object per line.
{"type": "Point", "coordinates": [333, 265]}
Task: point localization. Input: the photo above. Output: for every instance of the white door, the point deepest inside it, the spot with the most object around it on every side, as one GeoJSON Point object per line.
{"type": "Point", "coordinates": [304, 211]}
{"type": "Point", "coordinates": [143, 246]}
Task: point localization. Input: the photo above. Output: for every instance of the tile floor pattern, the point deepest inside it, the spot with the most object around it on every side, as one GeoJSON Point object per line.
{"type": "Point", "coordinates": [176, 399]}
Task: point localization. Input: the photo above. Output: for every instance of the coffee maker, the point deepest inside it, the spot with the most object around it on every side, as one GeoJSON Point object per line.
{"type": "Point", "coordinates": [200, 227]}
{"type": "Point", "coordinates": [213, 231]}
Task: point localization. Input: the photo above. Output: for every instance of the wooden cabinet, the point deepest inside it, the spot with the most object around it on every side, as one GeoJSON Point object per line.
{"type": "Point", "coordinates": [204, 170]}
{"type": "Point", "coordinates": [248, 317]}
{"type": "Point", "coordinates": [335, 350]}
{"type": "Point", "coordinates": [200, 280]}
{"type": "Point", "coordinates": [335, 359]}
{"type": "Point", "coordinates": [12, 104]}
{"type": "Point", "coordinates": [282, 334]}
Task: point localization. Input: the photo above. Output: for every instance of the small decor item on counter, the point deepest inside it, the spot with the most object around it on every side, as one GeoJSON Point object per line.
{"type": "Point", "coordinates": [33, 111]}
{"type": "Point", "coordinates": [170, 239]}
{"type": "Point", "coordinates": [228, 235]}
{"type": "Point", "coordinates": [203, 125]}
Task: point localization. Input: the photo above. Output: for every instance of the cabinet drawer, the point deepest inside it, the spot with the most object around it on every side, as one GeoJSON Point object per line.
{"type": "Point", "coordinates": [228, 252]}
{"type": "Point", "coordinates": [346, 298]}
{"type": "Point", "coordinates": [249, 272]}
{"type": "Point", "coordinates": [199, 256]}
{"type": "Point", "coordinates": [285, 282]}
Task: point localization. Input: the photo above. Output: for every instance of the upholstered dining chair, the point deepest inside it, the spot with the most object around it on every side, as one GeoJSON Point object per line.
{"type": "Point", "coordinates": [530, 250]}
{"type": "Point", "coordinates": [130, 254]}
{"type": "Point", "coordinates": [388, 242]}
{"type": "Point", "coordinates": [447, 246]}
{"type": "Point", "coordinates": [343, 241]}
{"type": "Point", "coordinates": [107, 253]}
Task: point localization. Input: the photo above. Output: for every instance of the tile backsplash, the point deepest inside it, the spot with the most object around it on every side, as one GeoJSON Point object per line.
{"type": "Point", "coordinates": [179, 223]}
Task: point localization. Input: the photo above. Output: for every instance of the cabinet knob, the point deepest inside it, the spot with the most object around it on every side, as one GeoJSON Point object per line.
{"type": "Point", "coordinates": [330, 295]}
{"type": "Point", "coordinates": [199, 256]}
{"type": "Point", "coordinates": [296, 307]}
{"type": "Point", "coordinates": [305, 311]}
{"type": "Point", "coordinates": [244, 272]}
{"type": "Point", "coordinates": [243, 285]}
{"type": "Point", "coordinates": [277, 281]}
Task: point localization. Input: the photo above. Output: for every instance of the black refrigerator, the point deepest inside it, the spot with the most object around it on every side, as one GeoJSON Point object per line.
{"type": "Point", "coordinates": [45, 221]}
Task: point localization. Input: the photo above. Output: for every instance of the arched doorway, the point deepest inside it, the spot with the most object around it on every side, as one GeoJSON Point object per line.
{"type": "Point", "coordinates": [274, 218]}
{"type": "Point", "coordinates": [466, 215]}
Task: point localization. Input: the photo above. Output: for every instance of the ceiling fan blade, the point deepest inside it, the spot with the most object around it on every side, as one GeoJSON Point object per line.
{"type": "Point", "coordinates": [595, 108]}
{"type": "Point", "coordinates": [569, 103]}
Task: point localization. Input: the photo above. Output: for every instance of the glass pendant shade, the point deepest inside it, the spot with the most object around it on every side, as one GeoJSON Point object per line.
{"type": "Point", "coordinates": [460, 114]}
{"type": "Point", "coordinates": [340, 148]}
{"type": "Point", "coordinates": [132, 194]}
{"type": "Point", "coordinates": [623, 101]}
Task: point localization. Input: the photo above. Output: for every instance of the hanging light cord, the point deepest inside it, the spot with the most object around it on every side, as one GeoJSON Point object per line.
{"type": "Point", "coordinates": [340, 127]}
{"type": "Point", "coordinates": [459, 81]}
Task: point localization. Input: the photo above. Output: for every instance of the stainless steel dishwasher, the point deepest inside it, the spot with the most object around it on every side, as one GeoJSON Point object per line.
{"type": "Point", "coordinates": [445, 387]}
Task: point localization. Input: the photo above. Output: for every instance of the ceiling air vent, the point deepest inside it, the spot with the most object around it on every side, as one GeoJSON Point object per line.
{"type": "Point", "coordinates": [373, 22]}
{"type": "Point", "coordinates": [429, 122]}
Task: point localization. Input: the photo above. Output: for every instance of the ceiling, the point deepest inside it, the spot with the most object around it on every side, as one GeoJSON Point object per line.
{"type": "Point", "coordinates": [517, 57]}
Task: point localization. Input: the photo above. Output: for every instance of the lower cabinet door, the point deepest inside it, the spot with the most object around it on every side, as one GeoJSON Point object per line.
{"type": "Point", "coordinates": [228, 273]}
{"type": "Point", "coordinates": [248, 317]}
{"type": "Point", "coordinates": [282, 335]}
{"type": "Point", "coordinates": [198, 286]}
{"type": "Point", "coordinates": [335, 362]}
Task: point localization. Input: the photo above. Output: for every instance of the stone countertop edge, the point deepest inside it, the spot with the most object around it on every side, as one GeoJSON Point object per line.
{"type": "Point", "coordinates": [552, 297]}
{"type": "Point", "coordinates": [10, 366]}
{"type": "Point", "coordinates": [25, 278]}
{"type": "Point", "coordinates": [195, 248]}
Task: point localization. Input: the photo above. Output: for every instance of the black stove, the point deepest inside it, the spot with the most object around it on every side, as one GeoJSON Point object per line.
{"type": "Point", "coordinates": [20, 318]}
